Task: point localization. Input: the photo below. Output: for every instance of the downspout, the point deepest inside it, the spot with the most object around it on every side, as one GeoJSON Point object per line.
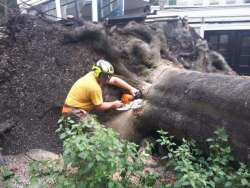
{"type": "Point", "coordinates": [123, 5]}
{"type": "Point", "coordinates": [76, 7]}
{"type": "Point", "coordinates": [95, 10]}
{"type": "Point", "coordinates": [58, 9]}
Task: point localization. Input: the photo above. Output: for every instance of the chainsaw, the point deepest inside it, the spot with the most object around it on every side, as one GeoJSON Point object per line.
{"type": "Point", "coordinates": [131, 102]}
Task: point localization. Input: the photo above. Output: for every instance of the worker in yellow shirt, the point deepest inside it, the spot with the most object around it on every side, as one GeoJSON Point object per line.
{"type": "Point", "coordinates": [86, 93]}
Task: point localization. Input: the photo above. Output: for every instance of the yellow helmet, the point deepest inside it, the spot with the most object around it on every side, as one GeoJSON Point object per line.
{"type": "Point", "coordinates": [103, 66]}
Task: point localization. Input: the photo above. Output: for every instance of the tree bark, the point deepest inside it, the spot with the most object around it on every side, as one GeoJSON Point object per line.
{"type": "Point", "coordinates": [193, 105]}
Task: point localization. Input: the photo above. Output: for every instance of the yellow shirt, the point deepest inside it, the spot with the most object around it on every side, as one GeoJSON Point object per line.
{"type": "Point", "coordinates": [85, 93]}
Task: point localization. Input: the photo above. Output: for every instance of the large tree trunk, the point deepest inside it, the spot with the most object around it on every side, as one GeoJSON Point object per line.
{"type": "Point", "coordinates": [192, 104]}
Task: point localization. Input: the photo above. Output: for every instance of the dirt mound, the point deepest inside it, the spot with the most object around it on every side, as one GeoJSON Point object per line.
{"type": "Point", "coordinates": [42, 59]}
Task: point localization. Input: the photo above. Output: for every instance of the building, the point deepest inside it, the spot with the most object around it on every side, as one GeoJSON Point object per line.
{"type": "Point", "coordinates": [95, 10]}
{"type": "Point", "coordinates": [58, 9]}
{"type": "Point", "coordinates": [4, 5]}
{"type": "Point", "coordinates": [224, 23]}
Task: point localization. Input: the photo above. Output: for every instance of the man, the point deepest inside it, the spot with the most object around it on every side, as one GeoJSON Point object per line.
{"type": "Point", "coordinates": [86, 93]}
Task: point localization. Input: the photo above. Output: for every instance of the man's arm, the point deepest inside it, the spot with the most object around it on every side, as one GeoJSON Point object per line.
{"type": "Point", "coordinates": [122, 84]}
{"type": "Point", "coordinates": [109, 105]}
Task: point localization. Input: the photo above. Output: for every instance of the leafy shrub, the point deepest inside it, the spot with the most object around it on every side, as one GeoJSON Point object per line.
{"type": "Point", "coordinates": [99, 157]}
{"type": "Point", "coordinates": [94, 157]}
{"type": "Point", "coordinates": [194, 170]}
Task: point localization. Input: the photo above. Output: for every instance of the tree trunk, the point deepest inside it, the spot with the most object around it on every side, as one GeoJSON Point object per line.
{"type": "Point", "coordinates": [192, 104]}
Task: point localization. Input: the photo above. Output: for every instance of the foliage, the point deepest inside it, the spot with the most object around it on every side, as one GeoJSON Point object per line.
{"type": "Point", "coordinates": [5, 173]}
{"type": "Point", "coordinates": [7, 177]}
{"type": "Point", "coordinates": [95, 157]}
{"type": "Point", "coordinates": [194, 170]}
{"type": "Point", "coordinates": [45, 173]}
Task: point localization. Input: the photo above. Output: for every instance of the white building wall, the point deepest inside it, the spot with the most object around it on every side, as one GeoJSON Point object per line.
{"type": "Point", "coordinates": [180, 3]}
{"type": "Point", "coordinates": [206, 17]}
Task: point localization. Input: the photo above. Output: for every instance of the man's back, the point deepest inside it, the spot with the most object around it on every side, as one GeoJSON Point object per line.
{"type": "Point", "coordinates": [85, 93]}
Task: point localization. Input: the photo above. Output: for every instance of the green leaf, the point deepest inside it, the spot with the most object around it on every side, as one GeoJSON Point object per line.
{"type": "Point", "coordinates": [111, 185]}
{"type": "Point", "coordinates": [244, 182]}
{"type": "Point", "coordinates": [5, 172]}
{"type": "Point", "coordinates": [228, 184]}
{"type": "Point", "coordinates": [62, 136]}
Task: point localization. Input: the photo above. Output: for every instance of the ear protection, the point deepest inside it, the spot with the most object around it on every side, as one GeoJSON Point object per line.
{"type": "Point", "coordinates": [97, 70]}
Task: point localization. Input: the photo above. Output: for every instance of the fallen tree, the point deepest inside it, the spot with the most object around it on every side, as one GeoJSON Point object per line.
{"type": "Point", "coordinates": [186, 86]}
{"type": "Point", "coordinates": [192, 105]}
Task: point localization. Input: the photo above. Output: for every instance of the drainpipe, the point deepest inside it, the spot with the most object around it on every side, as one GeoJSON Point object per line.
{"type": "Point", "coordinates": [76, 7]}
{"type": "Point", "coordinates": [95, 10]}
{"type": "Point", "coordinates": [123, 5]}
{"type": "Point", "coordinates": [58, 9]}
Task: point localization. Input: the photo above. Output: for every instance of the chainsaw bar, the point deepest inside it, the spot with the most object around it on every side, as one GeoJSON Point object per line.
{"type": "Point", "coordinates": [135, 104]}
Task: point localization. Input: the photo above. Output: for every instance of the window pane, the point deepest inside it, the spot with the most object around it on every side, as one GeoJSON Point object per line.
{"type": "Point", "coordinates": [246, 42]}
{"type": "Point", "coordinates": [212, 40]}
{"type": "Point", "coordinates": [244, 61]}
{"type": "Point", "coordinates": [68, 9]}
{"type": "Point", "coordinates": [71, 10]}
{"type": "Point", "coordinates": [214, 2]}
{"type": "Point", "coordinates": [172, 2]}
{"type": "Point", "coordinates": [198, 2]}
{"type": "Point", "coordinates": [230, 1]}
{"type": "Point", "coordinates": [181, 2]}
{"type": "Point", "coordinates": [52, 13]}
{"type": "Point", "coordinates": [224, 39]}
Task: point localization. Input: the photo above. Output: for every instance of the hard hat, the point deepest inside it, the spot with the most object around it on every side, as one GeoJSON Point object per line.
{"type": "Point", "coordinates": [103, 66]}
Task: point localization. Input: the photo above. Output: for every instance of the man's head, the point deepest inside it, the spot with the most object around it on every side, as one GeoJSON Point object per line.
{"type": "Point", "coordinates": [103, 70]}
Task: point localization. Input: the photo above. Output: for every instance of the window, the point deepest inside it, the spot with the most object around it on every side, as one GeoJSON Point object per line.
{"type": "Point", "coordinates": [63, 2]}
{"type": "Point", "coordinates": [213, 41]}
{"type": "Point", "coordinates": [47, 6]}
{"type": "Point", "coordinates": [172, 2]}
{"type": "Point", "coordinates": [198, 2]}
{"type": "Point", "coordinates": [52, 13]}
{"type": "Point", "coordinates": [230, 1]}
{"type": "Point", "coordinates": [214, 2]}
{"type": "Point", "coordinates": [245, 46]}
{"type": "Point", "coordinates": [182, 2]}
{"type": "Point", "coordinates": [110, 8]}
{"type": "Point", "coordinates": [224, 39]}
{"type": "Point", "coordinates": [69, 8]}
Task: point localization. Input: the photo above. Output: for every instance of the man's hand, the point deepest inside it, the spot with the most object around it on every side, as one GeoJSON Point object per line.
{"type": "Point", "coordinates": [109, 105]}
{"type": "Point", "coordinates": [117, 104]}
{"type": "Point", "coordinates": [133, 91]}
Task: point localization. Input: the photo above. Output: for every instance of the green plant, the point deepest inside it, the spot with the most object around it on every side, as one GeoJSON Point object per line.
{"type": "Point", "coordinates": [5, 173]}
{"type": "Point", "coordinates": [97, 154]}
{"type": "Point", "coordinates": [94, 156]}
{"type": "Point", "coordinates": [45, 173]}
{"type": "Point", "coordinates": [194, 170]}
{"type": "Point", "coordinates": [7, 177]}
